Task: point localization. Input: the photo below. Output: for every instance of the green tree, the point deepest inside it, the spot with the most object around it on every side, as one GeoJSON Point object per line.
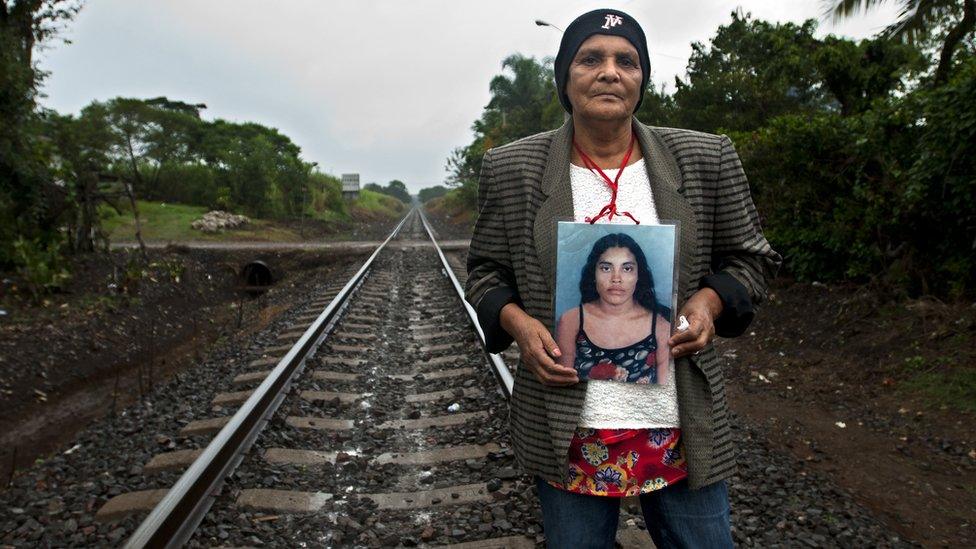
{"type": "Point", "coordinates": [144, 138]}
{"type": "Point", "coordinates": [940, 185]}
{"type": "Point", "coordinates": [81, 163]}
{"type": "Point", "coordinates": [657, 108]}
{"type": "Point", "coordinates": [857, 74]}
{"type": "Point", "coordinates": [26, 183]}
{"type": "Point", "coordinates": [398, 189]}
{"type": "Point", "coordinates": [326, 194]}
{"type": "Point", "coordinates": [523, 102]}
{"type": "Point", "coordinates": [256, 168]}
{"type": "Point", "coordinates": [428, 193]}
{"type": "Point", "coordinates": [916, 20]}
{"type": "Point", "coordinates": [750, 72]}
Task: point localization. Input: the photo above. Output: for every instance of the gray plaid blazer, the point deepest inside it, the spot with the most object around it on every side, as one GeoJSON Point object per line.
{"type": "Point", "coordinates": [524, 190]}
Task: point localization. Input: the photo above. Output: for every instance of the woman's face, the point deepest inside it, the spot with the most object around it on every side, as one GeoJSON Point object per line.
{"type": "Point", "coordinates": [604, 78]}
{"type": "Point", "coordinates": [616, 276]}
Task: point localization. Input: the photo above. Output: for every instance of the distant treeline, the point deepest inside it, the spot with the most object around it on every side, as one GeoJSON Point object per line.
{"type": "Point", "coordinates": [861, 155]}
{"type": "Point", "coordinates": [432, 192]}
{"type": "Point", "coordinates": [165, 151]}
{"type": "Point", "coordinates": [396, 188]}
{"type": "Point", "coordinates": [61, 174]}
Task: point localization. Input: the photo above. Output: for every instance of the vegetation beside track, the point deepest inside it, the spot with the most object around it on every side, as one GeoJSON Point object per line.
{"type": "Point", "coordinates": [171, 222]}
{"type": "Point", "coordinates": [860, 153]}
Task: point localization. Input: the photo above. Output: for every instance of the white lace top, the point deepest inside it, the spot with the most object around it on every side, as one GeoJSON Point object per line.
{"type": "Point", "coordinates": [612, 404]}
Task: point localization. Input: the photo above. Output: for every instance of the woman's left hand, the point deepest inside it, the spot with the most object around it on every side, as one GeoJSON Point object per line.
{"type": "Point", "coordinates": [701, 310]}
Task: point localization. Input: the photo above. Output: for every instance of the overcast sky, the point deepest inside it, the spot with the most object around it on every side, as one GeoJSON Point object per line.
{"type": "Point", "coordinates": [385, 89]}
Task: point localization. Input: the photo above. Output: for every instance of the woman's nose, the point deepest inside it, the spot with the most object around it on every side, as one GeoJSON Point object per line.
{"type": "Point", "coordinates": [609, 72]}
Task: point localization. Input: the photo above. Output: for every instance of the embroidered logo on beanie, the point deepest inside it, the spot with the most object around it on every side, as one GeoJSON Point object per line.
{"type": "Point", "coordinates": [612, 21]}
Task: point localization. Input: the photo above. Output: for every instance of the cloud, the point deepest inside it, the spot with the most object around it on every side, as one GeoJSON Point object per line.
{"type": "Point", "coordinates": [385, 89]}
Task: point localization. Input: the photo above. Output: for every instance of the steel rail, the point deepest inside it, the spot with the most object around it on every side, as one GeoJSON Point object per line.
{"type": "Point", "coordinates": [501, 371]}
{"type": "Point", "coordinates": [172, 522]}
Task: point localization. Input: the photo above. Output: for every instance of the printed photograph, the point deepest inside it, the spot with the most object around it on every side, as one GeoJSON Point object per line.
{"type": "Point", "coordinates": [614, 300]}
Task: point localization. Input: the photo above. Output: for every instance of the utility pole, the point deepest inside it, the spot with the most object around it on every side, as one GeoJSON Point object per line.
{"type": "Point", "coordinates": [301, 227]}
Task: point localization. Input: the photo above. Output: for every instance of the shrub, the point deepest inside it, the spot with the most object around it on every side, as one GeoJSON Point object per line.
{"type": "Point", "coordinates": [40, 266]}
{"type": "Point", "coordinates": [888, 194]}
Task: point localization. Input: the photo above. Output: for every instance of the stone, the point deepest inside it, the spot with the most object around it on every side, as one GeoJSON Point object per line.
{"type": "Point", "coordinates": [508, 473]}
{"type": "Point", "coordinates": [217, 220]}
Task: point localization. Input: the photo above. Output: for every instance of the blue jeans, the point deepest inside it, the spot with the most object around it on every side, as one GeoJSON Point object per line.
{"type": "Point", "coordinates": [675, 517]}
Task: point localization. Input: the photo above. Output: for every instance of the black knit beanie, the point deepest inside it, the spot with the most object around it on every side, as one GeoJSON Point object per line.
{"type": "Point", "coordinates": [607, 21]}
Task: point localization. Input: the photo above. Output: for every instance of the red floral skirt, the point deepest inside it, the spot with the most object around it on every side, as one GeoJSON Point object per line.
{"type": "Point", "coordinates": [623, 462]}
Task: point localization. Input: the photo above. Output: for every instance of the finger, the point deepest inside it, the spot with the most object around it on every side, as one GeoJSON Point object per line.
{"type": "Point", "coordinates": [549, 372]}
{"type": "Point", "coordinates": [549, 344]}
{"type": "Point", "coordinates": [686, 349]}
{"type": "Point", "coordinates": [547, 378]}
{"type": "Point", "coordinates": [685, 336]}
{"type": "Point", "coordinates": [560, 380]}
{"type": "Point", "coordinates": [537, 370]}
{"type": "Point", "coordinates": [543, 352]}
{"type": "Point", "coordinates": [694, 330]}
{"type": "Point", "coordinates": [553, 368]}
{"type": "Point", "coordinates": [539, 354]}
{"type": "Point", "coordinates": [692, 347]}
{"type": "Point", "coordinates": [563, 373]}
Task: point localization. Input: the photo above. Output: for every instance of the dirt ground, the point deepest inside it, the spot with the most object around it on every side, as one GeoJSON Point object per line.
{"type": "Point", "coordinates": [880, 396]}
{"type": "Point", "coordinates": [118, 328]}
{"type": "Point", "coordinates": [450, 227]}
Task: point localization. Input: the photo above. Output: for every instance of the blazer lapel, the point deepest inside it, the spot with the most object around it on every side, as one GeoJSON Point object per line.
{"type": "Point", "coordinates": [557, 206]}
{"type": "Point", "coordinates": [694, 392]}
{"type": "Point", "coordinates": [667, 188]}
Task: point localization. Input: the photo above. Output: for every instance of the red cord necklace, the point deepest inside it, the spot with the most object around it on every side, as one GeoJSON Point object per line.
{"type": "Point", "coordinates": [610, 209]}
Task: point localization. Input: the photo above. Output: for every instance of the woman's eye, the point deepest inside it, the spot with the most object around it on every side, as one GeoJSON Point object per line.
{"type": "Point", "coordinates": [589, 60]}
{"type": "Point", "coordinates": [628, 269]}
{"type": "Point", "coordinates": [626, 61]}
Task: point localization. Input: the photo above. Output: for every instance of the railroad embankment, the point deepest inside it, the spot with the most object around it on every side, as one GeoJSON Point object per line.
{"type": "Point", "coordinates": [121, 326]}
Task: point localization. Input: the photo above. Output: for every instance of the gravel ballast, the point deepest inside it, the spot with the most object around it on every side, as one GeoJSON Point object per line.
{"type": "Point", "coordinates": [775, 502]}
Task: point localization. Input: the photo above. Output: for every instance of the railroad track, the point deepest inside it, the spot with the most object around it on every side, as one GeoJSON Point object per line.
{"type": "Point", "coordinates": [377, 421]}
{"type": "Point", "coordinates": [344, 457]}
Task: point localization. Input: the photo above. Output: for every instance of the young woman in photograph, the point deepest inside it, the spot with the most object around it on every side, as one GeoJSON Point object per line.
{"type": "Point", "coordinates": [618, 332]}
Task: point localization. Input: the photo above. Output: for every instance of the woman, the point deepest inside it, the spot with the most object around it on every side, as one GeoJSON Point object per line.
{"type": "Point", "coordinates": [723, 264]}
{"type": "Point", "coordinates": [618, 332]}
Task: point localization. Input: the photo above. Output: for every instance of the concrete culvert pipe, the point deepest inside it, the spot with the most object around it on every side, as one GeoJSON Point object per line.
{"type": "Point", "coordinates": [256, 276]}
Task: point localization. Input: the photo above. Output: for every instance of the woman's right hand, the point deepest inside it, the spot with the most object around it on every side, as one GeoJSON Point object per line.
{"type": "Point", "coordinates": [537, 347]}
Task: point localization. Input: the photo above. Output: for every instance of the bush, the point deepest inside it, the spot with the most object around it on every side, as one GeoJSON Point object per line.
{"type": "Point", "coordinates": [804, 172]}
{"type": "Point", "coordinates": [459, 204]}
{"type": "Point", "coordinates": [40, 266]}
{"type": "Point", "coordinates": [187, 184]}
{"type": "Point", "coordinates": [326, 194]}
{"type": "Point", "coordinates": [374, 205]}
{"type": "Point", "coordinates": [886, 195]}
{"type": "Point", "coordinates": [940, 185]}
{"type": "Point", "coordinates": [431, 192]}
